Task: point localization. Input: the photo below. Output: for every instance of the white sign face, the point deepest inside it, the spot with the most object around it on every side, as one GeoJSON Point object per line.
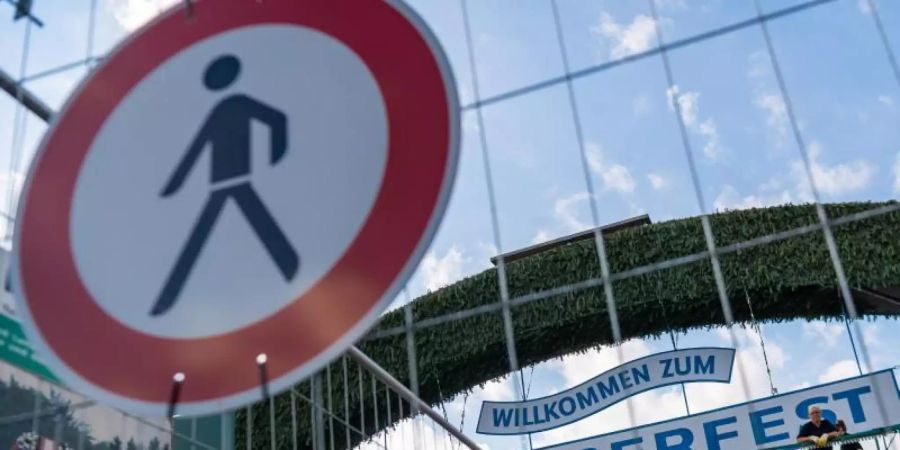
{"type": "Point", "coordinates": [864, 403]}
{"type": "Point", "coordinates": [689, 365]}
{"type": "Point", "coordinates": [260, 179]}
{"type": "Point", "coordinates": [126, 237]}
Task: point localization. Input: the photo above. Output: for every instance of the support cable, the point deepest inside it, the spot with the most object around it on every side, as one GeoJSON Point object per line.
{"type": "Point", "coordinates": [885, 42]}
{"type": "Point", "coordinates": [828, 234]}
{"type": "Point", "coordinates": [20, 128]}
{"type": "Point", "coordinates": [846, 321]}
{"type": "Point", "coordinates": [762, 342]}
{"type": "Point", "coordinates": [724, 300]}
{"type": "Point", "coordinates": [671, 333]}
{"type": "Point", "coordinates": [599, 244]}
{"type": "Point", "coordinates": [506, 312]}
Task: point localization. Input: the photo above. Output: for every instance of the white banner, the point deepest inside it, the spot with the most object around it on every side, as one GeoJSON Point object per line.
{"type": "Point", "coordinates": [865, 403]}
{"type": "Point", "coordinates": [650, 372]}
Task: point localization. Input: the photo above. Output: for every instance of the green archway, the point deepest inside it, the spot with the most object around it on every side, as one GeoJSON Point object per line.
{"type": "Point", "coordinates": [790, 278]}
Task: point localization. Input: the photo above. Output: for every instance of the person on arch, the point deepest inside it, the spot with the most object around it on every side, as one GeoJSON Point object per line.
{"type": "Point", "coordinates": [818, 430]}
{"type": "Point", "coordinates": [227, 131]}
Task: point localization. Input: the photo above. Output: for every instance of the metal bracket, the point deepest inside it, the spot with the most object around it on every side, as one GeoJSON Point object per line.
{"type": "Point", "coordinates": [23, 9]}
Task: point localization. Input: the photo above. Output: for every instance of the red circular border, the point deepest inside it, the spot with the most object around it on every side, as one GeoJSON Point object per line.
{"type": "Point", "coordinates": [135, 365]}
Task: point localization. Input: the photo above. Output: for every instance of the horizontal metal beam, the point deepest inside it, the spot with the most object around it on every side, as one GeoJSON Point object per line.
{"type": "Point", "coordinates": [633, 222]}
{"type": "Point", "coordinates": [25, 97]}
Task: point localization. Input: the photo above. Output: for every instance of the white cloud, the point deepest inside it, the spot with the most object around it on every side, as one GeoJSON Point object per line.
{"type": "Point", "coordinates": [615, 177]}
{"type": "Point", "coordinates": [882, 350]}
{"type": "Point", "coordinates": [625, 40]}
{"type": "Point", "coordinates": [500, 390]}
{"type": "Point", "coordinates": [488, 251]}
{"type": "Point", "coordinates": [729, 198]}
{"type": "Point", "coordinates": [760, 65]}
{"type": "Point", "coordinates": [570, 214]}
{"type": "Point", "coordinates": [438, 272]}
{"type": "Point", "coordinates": [131, 14]}
{"type": "Point", "coordinates": [565, 210]}
{"type": "Point", "coordinates": [618, 178]}
{"type": "Point", "coordinates": [767, 99]}
{"type": "Point", "coordinates": [886, 100]}
{"type": "Point", "coordinates": [640, 105]}
{"type": "Point", "coordinates": [594, 157]}
{"type": "Point", "coordinates": [829, 334]}
{"type": "Point", "coordinates": [749, 369]}
{"type": "Point", "coordinates": [749, 339]}
{"type": "Point", "coordinates": [657, 181]}
{"type": "Point", "coordinates": [688, 101]}
{"type": "Point", "coordinates": [575, 369]}
{"type": "Point", "coordinates": [541, 236]}
{"type": "Point", "coordinates": [708, 130]}
{"type": "Point", "coordinates": [832, 180]}
{"type": "Point", "coordinates": [863, 6]}
{"type": "Point", "coordinates": [776, 116]}
{"type": "Point", "coordinates": [870, 334]}
{"type": "Point", "coordinates": [689, 104]}
{"type": "Point", "coordinates": [845, 368]}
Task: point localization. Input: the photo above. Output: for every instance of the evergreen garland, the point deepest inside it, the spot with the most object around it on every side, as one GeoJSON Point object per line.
{"type": "Point", "coordinates": [785, 280]}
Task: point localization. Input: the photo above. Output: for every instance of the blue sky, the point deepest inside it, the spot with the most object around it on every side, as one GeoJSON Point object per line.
{"type": "Point", "coordinates": [844, 95]}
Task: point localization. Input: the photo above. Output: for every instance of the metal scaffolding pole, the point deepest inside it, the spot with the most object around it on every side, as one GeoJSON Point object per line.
{"type": "Point", "coordinates": [396, 385]}
{"type": "Point", "coordinates": [23, 95]}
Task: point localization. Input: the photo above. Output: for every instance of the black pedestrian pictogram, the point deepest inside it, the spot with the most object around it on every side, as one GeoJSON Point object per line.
{"type": "Point", "coordinates": [227, 131]}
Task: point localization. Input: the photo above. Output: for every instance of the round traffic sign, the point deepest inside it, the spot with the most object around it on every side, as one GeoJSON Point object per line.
{"type": "Point", "coordinates": [257, 178]}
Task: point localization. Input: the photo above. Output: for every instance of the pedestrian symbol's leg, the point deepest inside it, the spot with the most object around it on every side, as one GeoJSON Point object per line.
{"type": "Point", "coordinates": [267, 229]}
{"type": "Point", "coordinates": [189, 254]}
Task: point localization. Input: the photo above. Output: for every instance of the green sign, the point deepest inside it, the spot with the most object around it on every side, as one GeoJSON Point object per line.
{"type": "Point", "coordinates": [14, 347]}
{"type": "Point", "coordinates": [15, 350]}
